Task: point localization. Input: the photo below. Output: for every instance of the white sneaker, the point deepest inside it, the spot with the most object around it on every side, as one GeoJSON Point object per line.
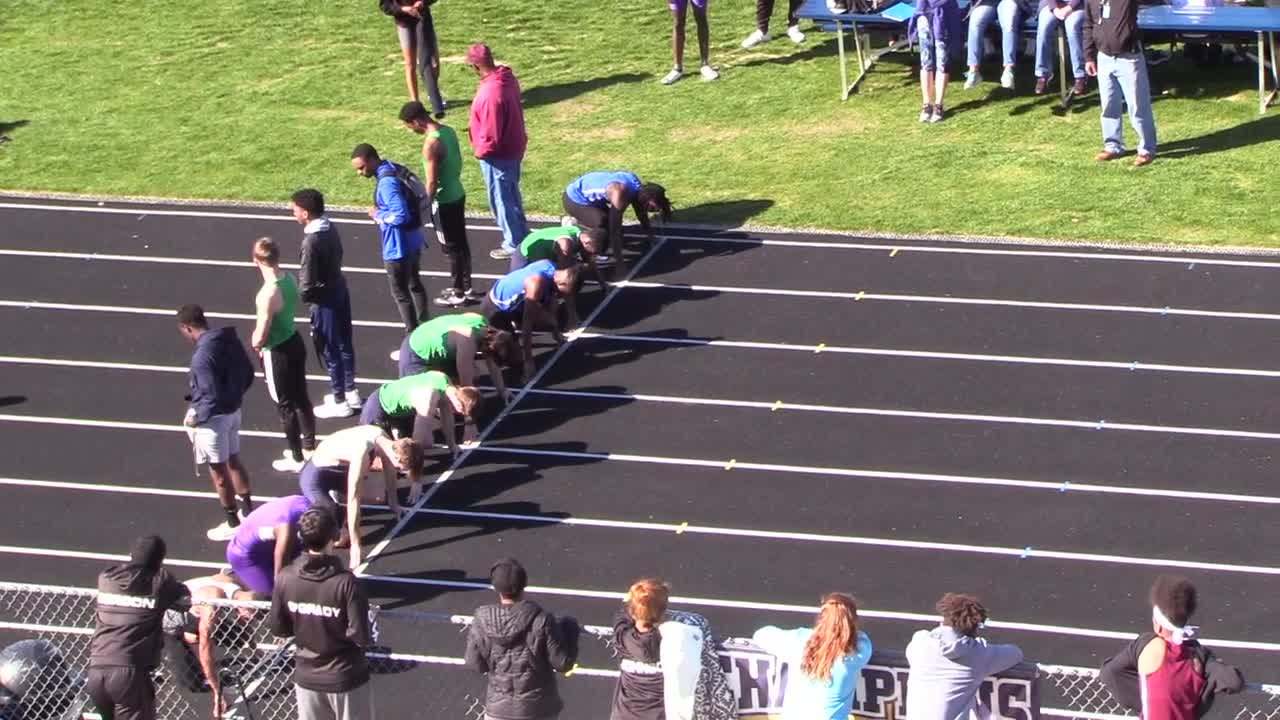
{"type": "Point", "coordinates": [794, 33]}
{"type": "Point", "coordinates": [972, 79]}
{"type": "Point", "coordinates": [671, 77]}
{"type": "Point", "coordinates": [353, 399]}
{"type": "Point", "coordinates": [708, 73]}
{"type": "Point", "coordinates": [1006, 79]}
{"type": "Point", "coordinates": [287, 465]}
{"type": "Point", "coordinates": [330, 410]}
{"type": "Point", "coordinates": [222, 533]}
{"type": "Point", "coordinates": [395, 356]}
{"type": "Point", "coordinates": [754, 39]}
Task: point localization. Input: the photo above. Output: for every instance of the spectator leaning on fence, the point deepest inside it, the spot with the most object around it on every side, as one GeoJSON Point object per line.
{"type": "Point", "coordinates": [498, 140]}
{"type": "Point", "coordinates": [1166, 674]}
{"type": "Point", "coordinates": [824, 662]}
{"type": "Point", "coordinates": [949, 662]}
{"type": "Point", "coordinates": [319, 604]}
{"type": "Point", "coordinates": [520, 647]}
{"type": "Point", "coordinates": [201, 629]}
{"type": "Point", "coordinates": [127, 635]}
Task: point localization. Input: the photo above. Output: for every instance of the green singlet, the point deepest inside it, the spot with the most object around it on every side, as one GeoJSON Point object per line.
{"type": "Point", "coordinates": [541, 244]}
{"type": "Point", "coordinates": [430, 341]}
{"type": "Point", "coordinates": [395, 397]}
{"type": "Point", "coordinates": [281, 328]}
{"type": "Point", "coordinates": [449, 181]}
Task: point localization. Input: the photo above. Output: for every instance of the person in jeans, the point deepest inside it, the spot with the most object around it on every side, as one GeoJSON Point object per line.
{"type": "Point", "coordinates": [981, 14]}
{"type": "Point", "coordinates": [400, 225]}
{"type": "Point", "coordinates": [679, 15]}
{"type": "Point", "coordinates": [936, 25]}
{"type": "Point", "coordinates": [417, 36]}
{"type": "Point", "coordinates": [284, 355]}
{"type": "Point", "coordinates": [319, 603]}
{"type": "Point", "coordinates": [1055, 14]}
{"type": "Point", "coordinates": [498, 139]}
{"type": "Point", "coordinates": [1113, 53]}
{"type": "Point", "coordinates": [949, 662]}
{"type": "Point", "coordinates": [520, 647]}
{"type": "Point", "coordinates": [221, 373]}
{"type": "Point", "coordinates": [1166, 674]}
{"type": "Point", "coordinates": [128, 631]}
{"type": "Point", "coordinates": [764, 10]}
{"type": "Point", "coordinates": [321, 284]}
{"type": "Point", "coordinates": [442, 177]}
{"type": "Point", "coordinates": [824, 662]}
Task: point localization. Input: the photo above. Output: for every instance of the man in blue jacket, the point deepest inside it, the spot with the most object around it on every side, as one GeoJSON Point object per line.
{"type": "Point", "coordinates": [400, 223]}
{"type": "Point", "coordinates": [220, 375]}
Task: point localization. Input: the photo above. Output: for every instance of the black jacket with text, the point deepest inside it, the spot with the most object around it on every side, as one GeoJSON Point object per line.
{"type": "Point", "coordinates": [130, 610]}
{"type": "Point", "coordinates": [320, 604]}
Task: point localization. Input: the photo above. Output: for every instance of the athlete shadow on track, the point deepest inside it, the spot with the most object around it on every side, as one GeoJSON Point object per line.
{"type": "Point", "coordinates": [638, 304]}
{"type": "Point", "coordinates": [435, 530]}
{"type": "Point", "coordinates": [542, 412]}
{"type": "Point", "coordinates": [676, 255]}
{"type": "Point", "coordinates": [597, 354]}
{"type": "Point", "coordinates": [10, 400]}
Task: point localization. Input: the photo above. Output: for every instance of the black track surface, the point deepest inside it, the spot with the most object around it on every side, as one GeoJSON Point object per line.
{"type": "Point", "coordinates": [566, 481]}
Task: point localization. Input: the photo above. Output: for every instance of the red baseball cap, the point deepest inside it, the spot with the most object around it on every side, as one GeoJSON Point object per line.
{"type": "Point", "coordinates": [479, 54]}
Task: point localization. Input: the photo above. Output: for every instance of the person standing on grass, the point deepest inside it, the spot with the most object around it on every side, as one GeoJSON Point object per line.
{"type": "Point", "coordinates": [936, 25]}
{"type": "Point", "coordinates": [442, 177]}
{"type": "Point", "coordinates": [949, 662]}
{"type": "Point", "coordinates": [1068, 14]}
{"type": "Point", "coordinates": [1008, 12]}
{"type": "Point", "coordinates": [128, 631]}
{"type": "Point", "coordinates": [400, 224]}
{"type": "Point", "coordinates": [498, 140]}
{"type": "Point", "coordinates": [417, 36]}
{"type": "Point", "coordinates": [764, 10]}
{"type": "Point", "coordinates": [319, 604]}
{"type": "Point", "coordinates": [824, 663]}
{"type": "Point", "coordinates": [1165, 674]}
{"type": "Point", "coordinates": [284, 355]}
{"type": "Point", "coordinates": [596, 202]}
{"type": "Point", "coordinates": [321, 284]}
{"type": "Point", "coordinates": [221, 373]}
{"type": "Point", "coordinates": [680, 13]}
{"type": "Point", "coordinates": [1113, 53]}
{"type": "Point", "coordinates": [520, 647]}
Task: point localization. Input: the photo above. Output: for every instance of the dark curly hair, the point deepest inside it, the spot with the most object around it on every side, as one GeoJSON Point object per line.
{"type": "Point", "coordinates": [962, 613]}
{"type": "Point", "coordinates": [653, 198]}
{"type": "Point", "coordinates": [1176, 598]}
{"type": "Point", "coordinates": [501, 346]}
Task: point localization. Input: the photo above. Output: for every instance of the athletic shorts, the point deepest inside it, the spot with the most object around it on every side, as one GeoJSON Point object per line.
{"type": "Point", "coordinates": [373, 414]}
{"type": "Point", "coordinates": [410, 363]}
{"type": "Point", "coordinates": [500, 319]}
{"type": "Point", "coordinates": [679, 5]}
{"type": "Point", "coordinates": [317, 482]}
{"type": "Point", "coordinates": [217, 439]}
{"type": "Point", "coordinates": [254, 567]}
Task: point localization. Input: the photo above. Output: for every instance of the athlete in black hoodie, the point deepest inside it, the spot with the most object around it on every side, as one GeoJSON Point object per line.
{"type": "Point", "coordinates": [318, 603]}
{"type": "Point", "coordinates": [520, 646]}
{"type": "Point", "coordinates": [132, 600]}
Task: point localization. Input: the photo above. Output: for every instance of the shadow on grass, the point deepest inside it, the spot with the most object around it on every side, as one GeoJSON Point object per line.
{"type": "Point", "coordinates": [8, 126]}
{"type": "Point", "coordinates": [1263, 130]}
{"type": "Point", "coordinates": [725, 212]}
{"type": "Point", "coordinates": [821, 49]}
{"type": "Point", "coordinates": [551, 94]}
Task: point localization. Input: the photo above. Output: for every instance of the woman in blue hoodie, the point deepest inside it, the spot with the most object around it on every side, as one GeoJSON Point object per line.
{"type": "Point", "coordinates": [937, 26]}
{"type": "Point", "coordinates": [825, 661]}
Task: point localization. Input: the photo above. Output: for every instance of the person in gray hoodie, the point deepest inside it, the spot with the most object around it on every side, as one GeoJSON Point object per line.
{"type": "Point", "coordinates": [949, 662]}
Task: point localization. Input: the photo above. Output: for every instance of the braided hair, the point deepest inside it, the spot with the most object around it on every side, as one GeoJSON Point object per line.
{"type": "Point", "coordinates": [653, 198]}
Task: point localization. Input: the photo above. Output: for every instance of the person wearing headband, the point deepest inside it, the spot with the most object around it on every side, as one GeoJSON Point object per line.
{"type": "Point", "coordinates": [1166, 674]}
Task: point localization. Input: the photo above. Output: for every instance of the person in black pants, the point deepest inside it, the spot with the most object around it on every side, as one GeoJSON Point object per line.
{"type": "Point", "coordinates": [320, 283]}
{"type": "Point", "coordinates": [764, 9]}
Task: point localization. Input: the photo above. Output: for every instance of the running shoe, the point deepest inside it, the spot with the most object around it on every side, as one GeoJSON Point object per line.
{"type": "Point", "coordinates": [353, 399]}
{"type": "Point", "coordinates": [708, 73]}
{"type": "Point", "coordinates": [936, 115]}
{"type": "Point", "coordinates": [395, 356]}
{"type": "Point", "coordinates": [501, 253]}
{"type": "Point", "coordinates": [287, 465]}
{"type": "Point", "coordinates": [1006, 79]}
{"type": "Point", "coordinates": [330, 410]}
{"type": "Point", "coordinates": [972, 79]}
{"type": "Point", "coordinates": [794, 33]}
{"type": "Point", "coordinates": [1042, 84]}
{"type": "Point", "coordinates": [472, 294]}
{"type": "Point", "coordinates": [671, 77]}
{"type": "Point", "coordinates": [754, 39]}
{"type": "Point", "coordinates": [222, 533]}
{"type": "Point", "coordinates": [926, 112]}
{"type": "Point", "coordinates": [449, 299]}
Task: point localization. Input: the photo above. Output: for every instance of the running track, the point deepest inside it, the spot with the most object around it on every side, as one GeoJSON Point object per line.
{"type": "Point", "coordinates": [757, 418]}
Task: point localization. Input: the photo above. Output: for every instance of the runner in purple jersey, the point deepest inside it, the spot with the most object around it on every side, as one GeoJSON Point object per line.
{"type": "Point", "coordinates": [265, 542]}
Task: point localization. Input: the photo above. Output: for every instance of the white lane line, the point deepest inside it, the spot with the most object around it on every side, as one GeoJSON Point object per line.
{"type": "Point", "coordinates": [1134, 365]}
{"type": "Point", "coordinates": [588, 594]}
{"type": "Point", "coordinates": [1176, 255]}
{"type": "Point", "coordinates": [1061, 486]}
{"type": "Point", "coordinates": [203, 262]}
{"type": "Point", "coordinates": [479, 443]}
{"type": "Point", "coordinates": [733, 289]}
{"type": "Point", "coordinates": [689, 529]}
{"type": "Point", "coordinates": [165, 312]}
{"type": "Point", "coordinates": [776, 406]}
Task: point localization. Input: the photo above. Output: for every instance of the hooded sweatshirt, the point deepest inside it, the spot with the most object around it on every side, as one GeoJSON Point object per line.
{"type": "Point", "coordinates": [497, 119]}
{"type": "Point", "coordinates": [220, 374]}
{"type": "Point", "coordinates": [520, 646]}
{"type": "Point", "coordinates": [131, 604]}
{"type": "Point", "coordinates": [946, 670]}
{"type": "Point", "coordinates": [320, 280]}
{"type": "Point", "coordinates": [319, 603]}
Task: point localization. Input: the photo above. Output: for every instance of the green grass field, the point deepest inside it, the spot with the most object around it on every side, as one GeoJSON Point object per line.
{"type": "Point", "coordinates": [233, 99]}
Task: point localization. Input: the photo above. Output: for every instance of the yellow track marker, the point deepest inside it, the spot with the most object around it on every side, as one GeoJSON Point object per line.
{"type": "Point", "coordinates": [860, 294]}
{"type": "Point", "coordinates": [895, 252]}
{"type": "Point", "coordinates": [776, 404]}
{"type": "Point", "coordinates": [732, 462]}
{"type": "Point", "coordinates": [571, 670]}
{"type": "Point", "coordinates": [820, 348]}
{"type": "Point", "coordinates": [683, 526]}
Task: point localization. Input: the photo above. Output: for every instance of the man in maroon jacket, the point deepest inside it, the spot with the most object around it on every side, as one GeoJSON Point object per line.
{"type": "Point", "coordinates": [498, 139]}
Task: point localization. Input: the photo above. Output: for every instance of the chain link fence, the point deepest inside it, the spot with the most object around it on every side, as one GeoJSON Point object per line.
{"type": "Point", "coordinates": [45, 633]}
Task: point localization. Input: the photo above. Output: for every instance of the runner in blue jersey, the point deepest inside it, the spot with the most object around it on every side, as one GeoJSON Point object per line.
{"type": "Point", "coordinates": [528, 296]}
{"type": "Point", "coordinates": [596, 201]}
